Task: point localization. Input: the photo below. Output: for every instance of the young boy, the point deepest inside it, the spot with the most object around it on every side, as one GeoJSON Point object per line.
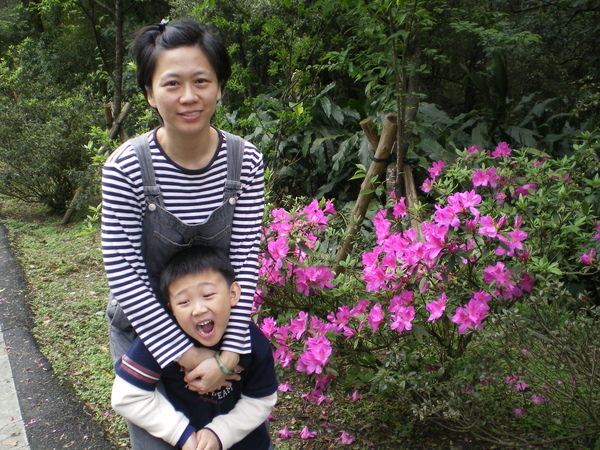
{"type": "Point", "coordinates": [200, 286]}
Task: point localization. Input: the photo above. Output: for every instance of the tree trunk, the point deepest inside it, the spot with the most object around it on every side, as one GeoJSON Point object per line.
{"type": "Point", "coordinates": [118, 75]}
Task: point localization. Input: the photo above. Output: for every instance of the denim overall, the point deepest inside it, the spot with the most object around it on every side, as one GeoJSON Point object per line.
{"type": "Point", "coordinates": [163, 235]}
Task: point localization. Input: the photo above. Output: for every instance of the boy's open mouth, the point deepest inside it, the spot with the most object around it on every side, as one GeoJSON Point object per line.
{"type": "Point", "coordinates": [205, 327]}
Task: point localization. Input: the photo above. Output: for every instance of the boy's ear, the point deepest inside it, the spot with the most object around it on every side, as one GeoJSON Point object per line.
{"type": "Point", "coordinates": [235, 291]}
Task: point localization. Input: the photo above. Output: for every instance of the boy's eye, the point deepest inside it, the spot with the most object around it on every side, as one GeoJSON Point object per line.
{"type": "Point", "coordinates": [182, 302]}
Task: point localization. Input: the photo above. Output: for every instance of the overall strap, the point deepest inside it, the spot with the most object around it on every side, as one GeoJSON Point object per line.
{"type": "Point", "coordinates": [142, 151]}
{"type": "Point", "coordinates": [235, 156]}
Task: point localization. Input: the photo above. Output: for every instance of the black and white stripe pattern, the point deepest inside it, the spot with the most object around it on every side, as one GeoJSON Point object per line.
{"type": "Point", "coordinates": [190, 195]}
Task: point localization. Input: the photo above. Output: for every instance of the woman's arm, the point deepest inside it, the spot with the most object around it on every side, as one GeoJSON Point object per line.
{"type": "Point", "coordinates": [244, 249]}
{"type": "Point", "coordinates": [122, 211]}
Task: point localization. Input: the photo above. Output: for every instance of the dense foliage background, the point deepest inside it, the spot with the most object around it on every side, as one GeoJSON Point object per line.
{"type": "Point", "coordinates": [456, 75]}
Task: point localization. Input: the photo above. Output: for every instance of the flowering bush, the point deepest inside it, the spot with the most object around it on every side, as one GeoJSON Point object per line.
{"type": "Point", "coordinates": [499, 229]}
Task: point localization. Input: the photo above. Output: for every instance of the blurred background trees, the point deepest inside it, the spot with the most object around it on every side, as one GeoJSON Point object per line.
{"type": "Point", "coordinates": [457, 73]}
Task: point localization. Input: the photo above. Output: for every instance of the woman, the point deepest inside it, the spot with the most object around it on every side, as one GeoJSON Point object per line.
{"type": "Point", "coordinates": [184, 183]}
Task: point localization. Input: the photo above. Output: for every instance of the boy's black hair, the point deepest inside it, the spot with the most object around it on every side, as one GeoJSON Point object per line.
{"type": "Point", "coordinates": [193, 260]}
{"type": "Point", "coordinates": [150, 41]}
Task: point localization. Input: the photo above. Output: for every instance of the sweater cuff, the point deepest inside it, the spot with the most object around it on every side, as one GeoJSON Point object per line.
{"type": "Point", "coordinates": [185, 436]}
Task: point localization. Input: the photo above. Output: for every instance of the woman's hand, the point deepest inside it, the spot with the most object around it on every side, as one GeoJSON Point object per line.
{"type": "Point", "coordinates": [208, 376]}
{"type": "Point", "coordinates": [194, 356]}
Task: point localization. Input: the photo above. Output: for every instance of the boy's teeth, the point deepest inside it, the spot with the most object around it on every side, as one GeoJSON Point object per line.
{"type": "Point", "coordinates": [205, 327]}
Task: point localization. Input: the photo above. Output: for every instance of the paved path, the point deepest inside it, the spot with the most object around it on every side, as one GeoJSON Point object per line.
{"type": "Point", "coordinates": [36, 412]}
{"type": "Point", "coordinates": [12, 429]}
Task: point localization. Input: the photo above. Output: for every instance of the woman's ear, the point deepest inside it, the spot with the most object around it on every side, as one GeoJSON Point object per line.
{"type": "Point", "coordinates": [150, 97]}
{"type": "Point", "coordinates": [235, 291]}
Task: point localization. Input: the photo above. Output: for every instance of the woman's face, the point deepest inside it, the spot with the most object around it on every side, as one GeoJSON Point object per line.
{"type": "Point", "coordinates": [185, 90]}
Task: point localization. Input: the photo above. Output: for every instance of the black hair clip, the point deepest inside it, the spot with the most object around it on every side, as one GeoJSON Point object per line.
{"type": "Point", "coordinates": [161, 26]}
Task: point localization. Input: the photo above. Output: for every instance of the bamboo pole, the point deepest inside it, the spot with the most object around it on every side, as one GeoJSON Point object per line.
{"type": "Point", "coordinates": [368, 127]}
{"type": "Point", "coordinates": [376, 169]}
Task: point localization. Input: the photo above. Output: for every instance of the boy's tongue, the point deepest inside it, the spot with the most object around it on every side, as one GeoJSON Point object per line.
{"type": "Point", "coordinates": [207, 328]}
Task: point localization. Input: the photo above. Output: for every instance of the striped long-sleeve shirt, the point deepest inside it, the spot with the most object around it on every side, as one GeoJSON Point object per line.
{"type": "Point", "coordinates": [190, 195]}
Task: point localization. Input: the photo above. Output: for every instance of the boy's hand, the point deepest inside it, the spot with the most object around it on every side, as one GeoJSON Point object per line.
{"type": "Point", "coordinates": [207, 440]}
{"type": "Point", "coordinates": [191, 443]}
{"type": "Point", "coordinates": [208, 376]}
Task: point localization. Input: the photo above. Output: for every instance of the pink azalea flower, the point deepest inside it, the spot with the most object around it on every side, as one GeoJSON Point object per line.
{"type": "Point", "coordinates": [500, 197]}
{"type": "Point", "coordinates": [329, 208]}
{"type": "Point", "coordinates": [312, 277]}
{"type": "Point", "coordinates": [521, 386]}
{"type": "Point", "coordinates": [282, 221]}
{"type": "Point", "coordinates": [436, 308]}
{"type": "Point", "coordinates": [488, 227]}
{"type": "Point", "coordinates": [402, 320]}
{"type": "Point", "coordinates": [511, 379]}
{"type": "Point", "coordinates": [473, 149]}
{"type": "Point", "coordinates": [446, 216]}
{"type": "Point", "coordinates": [436, 169]}
{"type": "Point", "coordinates": [525, 190]}
{"type": "Point", "coordinates": [497, 273]}
{"type": "Point", "coordinates": [482, 296]}
{"type": "Point", "coordinates": [514, 243]}
{"type": "Point", "coordinates": [399, 209]}
{"type": "Point", "coordinates": [360, 308]}
{"type": "Point", "coordinates": [298, 326]}
{"type": "Point", "coordinates": [376, 317]}
{"type": "Point", "coordinates": [597, 225]}
{"type": "Point", "coordinates": [471, 315]}
{"type": "Point", "coordinates": [538, 399]}
{"type": "Point", "coordinates": [268, 327]}
{"type": "Point", "coordinates": [527, 283]}
{"type": "Point", "coordinates": [356, 396]}
{"type": "Point", "coordinates": [501, 150]}
{"type": "Point", "coordinates": [382, 225]}
{"type": "Point", "coordinates": [588, 258]}
{"type": "Point", "coordinates": [345, 438]}
{"type": "Point", "coordinates": [427, 185]}
{"type": "Point", "coordinates": [285, 387]}
{"type": "Point", "coordinates": [323, 399]}
{"type": "Point", "coordinates": [278, 250]}
{"type": "Point", "coordinates": [316, 355]}
{"type": "Point", "coordinates": [314, 214]}
{"type": "Point", "coordinates": [307, 434]}
{"type": "Point", "coordinates": [285, 433]}
{"type": "Point", "coordinates": [485, 177]}
{"type": "Point", "coordinates": [518, 412]}
{"type": "Point", "coordinates": [321, 382]}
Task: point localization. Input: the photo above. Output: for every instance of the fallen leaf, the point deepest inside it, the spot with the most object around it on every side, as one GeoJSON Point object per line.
{"type": "Point", "coordinates": [10, 443]}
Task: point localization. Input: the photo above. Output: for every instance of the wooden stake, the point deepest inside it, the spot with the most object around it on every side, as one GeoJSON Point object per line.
{"type": "Point", "coordinates": [384, 147]}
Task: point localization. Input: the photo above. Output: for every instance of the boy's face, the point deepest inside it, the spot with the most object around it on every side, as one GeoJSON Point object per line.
{"type": "Point", "coordinates": [201, 304]}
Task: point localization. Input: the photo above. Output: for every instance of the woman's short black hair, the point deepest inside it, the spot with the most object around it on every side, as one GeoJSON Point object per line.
{"type": "Point", "coordinates": [195, 260]}
{"type": "Point", "coordinates": [150, 41]}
